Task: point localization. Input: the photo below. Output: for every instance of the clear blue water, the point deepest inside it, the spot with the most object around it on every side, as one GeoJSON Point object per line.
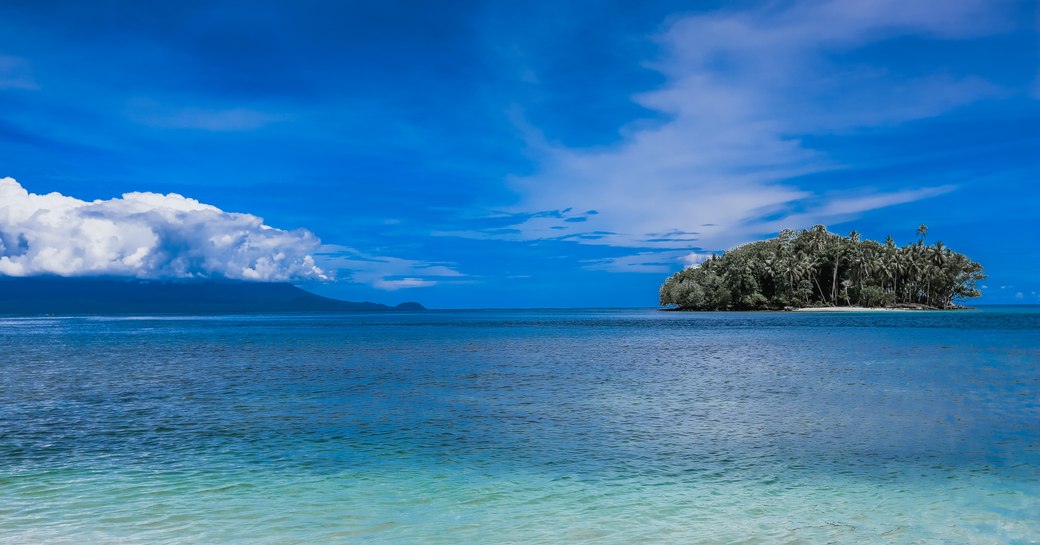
{"type": "Point", "coordinates": [605, 426]}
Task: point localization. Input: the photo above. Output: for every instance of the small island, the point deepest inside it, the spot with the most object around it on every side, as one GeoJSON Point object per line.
{"type": "Point", "coordinates": [815, 268]}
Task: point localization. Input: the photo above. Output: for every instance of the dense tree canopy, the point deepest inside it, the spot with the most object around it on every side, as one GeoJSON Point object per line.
{"type": "Point", "coordinates": [815, 267]}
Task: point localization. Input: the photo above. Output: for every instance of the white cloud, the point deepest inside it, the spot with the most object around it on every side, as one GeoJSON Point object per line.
{"type": "Point", "coordinates": [742, 89]}
{"type": "Point", "coordinates": [382, 272]}
{"type": "Point", "coordinates": [145, 235]}
{"type": "Point", "coordinates": [694, 259]}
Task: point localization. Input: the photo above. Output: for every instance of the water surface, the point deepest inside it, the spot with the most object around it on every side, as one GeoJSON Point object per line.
{"type": "Point", "coordinates": [575, 426]}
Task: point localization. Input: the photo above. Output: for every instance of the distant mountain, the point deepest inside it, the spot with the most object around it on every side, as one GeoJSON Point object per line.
{"type": "Point", "coordinates": [55, 295]}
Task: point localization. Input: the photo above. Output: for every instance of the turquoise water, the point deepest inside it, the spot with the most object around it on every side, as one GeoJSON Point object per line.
{"type": "Point", "coordinates": [603, 426]}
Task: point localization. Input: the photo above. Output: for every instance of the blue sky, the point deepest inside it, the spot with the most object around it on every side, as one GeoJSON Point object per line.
{"type": "Point", "coordinates": [503, 154]}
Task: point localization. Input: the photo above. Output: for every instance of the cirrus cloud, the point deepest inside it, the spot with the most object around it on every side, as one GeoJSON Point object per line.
{"type": "Point", "coordinates": [384, 272]}
{"type": "Point", "coordinates": [745, 93]}
{"type": "Point", "coordinates": [234, 119]}
{"type": "Point", "coordinates": [14, 74]}
{"type": "Point", "coordinates": [145, 235]}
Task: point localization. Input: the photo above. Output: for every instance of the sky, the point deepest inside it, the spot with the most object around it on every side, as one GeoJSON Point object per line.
{"type": "Point", "coordinates": [509, 154]}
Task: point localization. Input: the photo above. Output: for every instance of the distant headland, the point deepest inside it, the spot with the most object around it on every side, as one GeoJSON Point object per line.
{"type": "Point", "coordinates": [71, 296]}
{"type": "Point", "coordinates": [815, 268]}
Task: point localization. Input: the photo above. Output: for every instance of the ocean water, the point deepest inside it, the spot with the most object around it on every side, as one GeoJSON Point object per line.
{"type": "Point", "coordinates": [570, 426]}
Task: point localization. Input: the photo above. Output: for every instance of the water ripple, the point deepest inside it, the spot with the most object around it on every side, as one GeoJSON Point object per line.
{"type": "Point", "coordinates": [612, 426]}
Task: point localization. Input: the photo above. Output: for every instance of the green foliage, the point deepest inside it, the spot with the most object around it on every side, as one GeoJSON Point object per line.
{"type": "Point", "coordinates": [816, 267]}
{"type": "Point", "coordinates": [875, 296]}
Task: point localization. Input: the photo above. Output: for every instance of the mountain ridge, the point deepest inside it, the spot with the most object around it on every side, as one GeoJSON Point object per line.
{"type": "Point", "coordinates": [100, 295]}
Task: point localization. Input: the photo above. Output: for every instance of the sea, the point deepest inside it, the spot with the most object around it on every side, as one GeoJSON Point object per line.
{"type": "Point", "coordinates": [603, 426]}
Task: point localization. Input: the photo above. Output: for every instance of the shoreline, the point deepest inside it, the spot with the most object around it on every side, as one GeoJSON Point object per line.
{"type": "Point", "coordinates": [855, 309]}
{"type": "Point", "coordinates": [827, 309]}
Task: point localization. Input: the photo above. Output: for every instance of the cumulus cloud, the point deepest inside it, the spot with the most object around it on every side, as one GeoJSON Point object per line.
{"type": "Point", "coordinates": [145, 235]}
{"type": "Point", "coordinates": [742, 91]}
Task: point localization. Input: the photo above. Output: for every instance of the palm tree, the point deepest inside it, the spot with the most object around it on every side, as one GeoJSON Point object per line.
{"type": "Point", "coordinates": [918, 269]}
{"type": "Point", "coordinates": [876, 263]}
{"type": "Point", "coordinates": [904, 270]}
{"type": "Point", "coordinates": [939, 258]}
{"type": "Point", "coordinates": [864, 263]}
{"type": "Point", "coordinates": [817, 244]}
{"type": "Point", "coordinates": [846, 284]}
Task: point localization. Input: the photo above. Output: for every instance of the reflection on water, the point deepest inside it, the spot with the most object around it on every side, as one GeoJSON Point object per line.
{"type": "Point", "coordinates": [607, 426]}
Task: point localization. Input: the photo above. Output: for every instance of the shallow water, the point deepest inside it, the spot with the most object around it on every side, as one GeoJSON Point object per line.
{"type": "Point", "coordinates": [594, 426]}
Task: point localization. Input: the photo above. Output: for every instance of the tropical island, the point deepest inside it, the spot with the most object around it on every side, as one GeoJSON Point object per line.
{"type": "Point", "coordinates": [816, 268]}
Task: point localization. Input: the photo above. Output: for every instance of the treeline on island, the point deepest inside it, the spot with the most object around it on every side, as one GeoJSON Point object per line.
{"type": "Point", "coordinates": [815, 267]}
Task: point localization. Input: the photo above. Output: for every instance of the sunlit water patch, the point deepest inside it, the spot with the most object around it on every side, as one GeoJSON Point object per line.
{"type": "Point", "coordinates": [522, 427]}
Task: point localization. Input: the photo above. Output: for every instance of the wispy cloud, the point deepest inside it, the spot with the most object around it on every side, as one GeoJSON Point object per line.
{"type": "Point", "coordinates": [15, 74]}
{"type": "Point", "coordinates": [643, 262]}
{"type": "Point", "coordinates": [204, 119]}
{"type": "Point", "coordinates": [382, 272]}
{"type": "Point", "coordinates": [657, 261]}
{"type": "Point", "coordinates": [743, 89]}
